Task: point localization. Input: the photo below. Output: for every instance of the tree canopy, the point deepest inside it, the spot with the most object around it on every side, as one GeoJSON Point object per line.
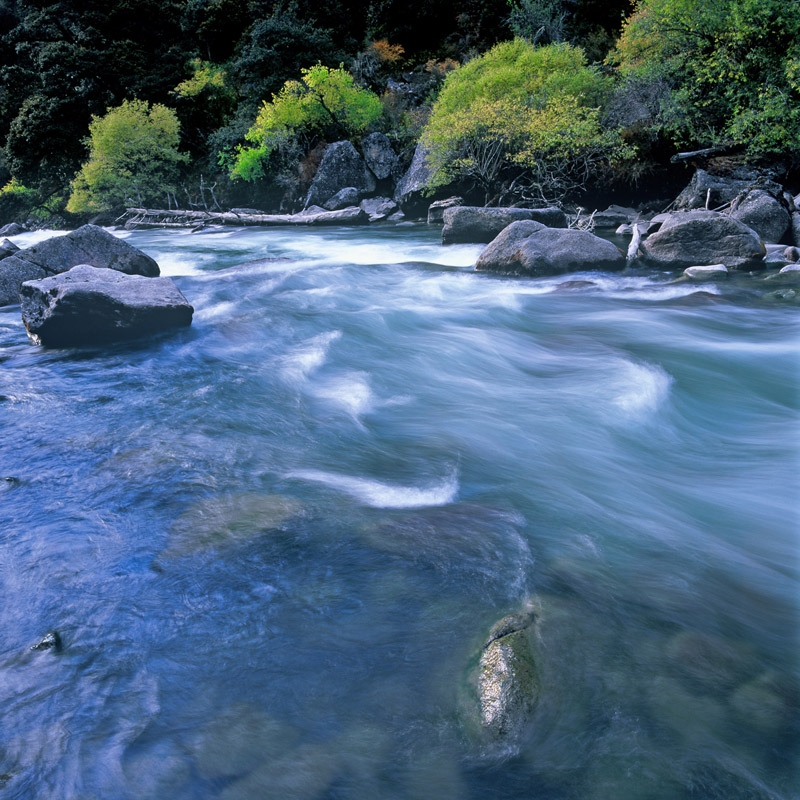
{"type": "Point", "coordinates": [133, 157]}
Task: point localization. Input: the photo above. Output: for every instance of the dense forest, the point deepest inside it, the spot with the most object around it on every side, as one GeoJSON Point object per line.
{"type": "Point", "coordinates": [520, 100]}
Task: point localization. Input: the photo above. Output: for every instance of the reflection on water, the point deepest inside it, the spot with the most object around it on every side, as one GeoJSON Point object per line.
{"type": "Point", "coordinates": [272, 544]}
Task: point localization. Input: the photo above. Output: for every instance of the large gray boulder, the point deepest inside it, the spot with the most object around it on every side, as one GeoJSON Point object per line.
{"type": "Point", "coordinates": [712, 189]}
{"type": "Point", "coordinates": [344, 198]}
{"type": "Point", "coordinates": [408, 193]}
{"type": "Point", "coordinates": [528, 248]}
{"type": "Point", "coordinates": [760, 211]}
{"type": "Point", "coordinates": [474, 224]}
{"type": "Point", "coordinates": [90, 305]}
{"type": "Point", "coordinates": [702, 238]}
{"type": "Point", "coordinates": [8, 248]}
{"type": "Point", "coordinates": [379, 155]}
{"type": "Point", "coordinates": [87, 245]}
{"type": "Point", "coordinates": [342, 166]}
{"type": "Point", "coordinates": [12, 229]}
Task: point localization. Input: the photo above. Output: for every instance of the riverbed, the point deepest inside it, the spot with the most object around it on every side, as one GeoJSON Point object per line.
{"type": "Point", "coordinates": [272, 543]}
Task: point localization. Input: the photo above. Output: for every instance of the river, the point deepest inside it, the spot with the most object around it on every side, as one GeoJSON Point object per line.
{"type": "Point", "coordinates": [271, 543]}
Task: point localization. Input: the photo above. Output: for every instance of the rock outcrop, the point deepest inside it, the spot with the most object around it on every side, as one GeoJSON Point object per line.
{"type": "Point", "coordinates": [89, 305]}
{"type": "Point", "coordinates": [763, 213]}
{"type": "Point", "coordinates": [529, 248]}
{"type": "Point", "coordinates": [408, 192]}
{"type": "Point", "coordinates": [342, 166]}
{"type": "Point", "coordinates": [87, 245]}
{"type": "Point", "coordinates": [379, 155]}
{"type": "Point", "coordinates": [703, 238]}
{"type": "Point", "coordinates": [475, 224]}
{"type": "Point", "coordinates": [12, 229]}
{"type": "Point", "coordinates": [378, 208]}
{"type": "Point", "coordinates": [707, 190]}
{"type": "Point", "coordinates": [614, 216]}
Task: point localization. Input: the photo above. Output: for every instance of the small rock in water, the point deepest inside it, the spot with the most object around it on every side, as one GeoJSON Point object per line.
{"type": "Point", "coordinates": [713, 272]}
{"type": "Point", "coordinates": [50, 641]}
{"type": "Point", "coordinates": [769, 703]}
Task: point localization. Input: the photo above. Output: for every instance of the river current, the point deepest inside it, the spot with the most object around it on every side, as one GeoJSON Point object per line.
{"type": "Point", "coordinates": [272, 543]}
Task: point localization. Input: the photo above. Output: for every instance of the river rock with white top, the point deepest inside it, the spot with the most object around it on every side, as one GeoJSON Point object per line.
{"type": "Point", "coordinates": [702, 238]}
{"type": "Point", "coordinates": [529, 248]}
{"type": "Point", "coordinates": [90, 305]}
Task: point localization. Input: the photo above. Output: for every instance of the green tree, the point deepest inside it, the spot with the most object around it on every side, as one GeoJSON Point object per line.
{"type": "Point", "coordinates": [729, 66]}
{"type": "Point", "coordinates": [324, 102]}
{"type": "Point", "coordinates": [522, 121]}
{"type": "Point", "coordinates": [133, 156]}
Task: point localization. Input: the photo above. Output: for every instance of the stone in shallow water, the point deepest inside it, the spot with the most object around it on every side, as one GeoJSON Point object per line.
{"type": "Point", "coordinates": [713, 272]}
{"type": "Point", "coordinates": [89, 305]}
{"type": "Point", "coordinates": [709, 664]}
{"type": "Point", "coordinates": [223, 520]}
{"type": "Point", "coordinates": [238, 741]}
{"type": "Point", "coordinates": [768, 704]}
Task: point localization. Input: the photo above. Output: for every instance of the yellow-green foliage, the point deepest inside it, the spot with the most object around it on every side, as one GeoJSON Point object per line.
{"type": "Point", "coordinates": [207, 76]}
{"type": "Point", "coordinates": [323, 100]}
{"type": "Point", "coordinates": [732, 66]}
{"type": "Point", "coordinates": [133, 156]}
{"type": "Point", "coordinates": [517, 105]}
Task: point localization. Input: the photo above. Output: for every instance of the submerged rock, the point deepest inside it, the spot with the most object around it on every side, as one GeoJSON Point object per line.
{"type": "Point", "coordinates": [223, 521]}
{"type": "Point", "coordinates": [88, 305]}
{"type": "Point", "coordinates": [88, 245]}
{"type": "Point", "coordinates": [709, 664]}
{"type": "Point", "coordinates": [475, 224]}
{"type": "Point", "coordinates": [702, 238]}
{"type": "Point", "coordinates": [768, 703]}
{"type": "Point", "coordinates": [378, 208]}
{"type": "Point", "coordinates": [527, 248]}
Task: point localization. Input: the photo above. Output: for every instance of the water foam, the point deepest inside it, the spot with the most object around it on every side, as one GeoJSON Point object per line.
{"type": "Point", "coordinates": [385, 495]}
{"type": "Point", "coordinates": [641, 388]}
{"type": "Point", "coordinates": [351, 392]}
{"type": "Point", "coordinates": [305, 358]}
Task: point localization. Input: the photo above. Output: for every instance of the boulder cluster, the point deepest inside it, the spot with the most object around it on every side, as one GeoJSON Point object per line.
{"type": "Point", "coordinates": [89, 287]}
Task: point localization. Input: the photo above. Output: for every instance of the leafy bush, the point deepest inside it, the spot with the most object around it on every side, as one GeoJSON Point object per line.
{"type": "Point", "coordinates": [324, 102]}
{"type": "Point", "coordinates": [730, 66]}
{"type": "Point", "coordinates": [522, 119]}
{"type": "Point", "coordinates": [133, 156]}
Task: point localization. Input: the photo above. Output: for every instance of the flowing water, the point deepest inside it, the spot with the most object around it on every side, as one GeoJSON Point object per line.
{"type": "Point", "coordinates": [272, 543]}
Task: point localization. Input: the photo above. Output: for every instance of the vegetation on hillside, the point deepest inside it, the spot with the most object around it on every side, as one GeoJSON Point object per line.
{"type": "Point", "coordinates": [548, 94]}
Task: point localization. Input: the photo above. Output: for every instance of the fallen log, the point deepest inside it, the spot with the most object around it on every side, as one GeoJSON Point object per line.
{"type": "Point", "coordinates": [154, 217]}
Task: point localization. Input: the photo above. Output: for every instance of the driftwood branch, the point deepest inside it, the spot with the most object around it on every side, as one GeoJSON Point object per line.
{"type": "Point", "coordinates": [171, 218]}
{"type": "Point", "coordinates": [706, 152]}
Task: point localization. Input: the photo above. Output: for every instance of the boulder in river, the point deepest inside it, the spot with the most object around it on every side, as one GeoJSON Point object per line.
{"type": "Point", "coordinates": [379, 155]}
{"type": "Point", "coordinates": [436, 209]}
{"type": "Point", "coordinates": [8, 248]}
{"type": "Point", "coordinates": [506, 679]}
{"type": "Point", "coordinates": [614, 216]}
{"type": "Point", "coordinates": [408, 193]}
{"type": "Point", "coordinates": [12, 229]}
{"type": "Point", "coordinates": [86, 245]}
{"type": "Point", "coordinates": [378, 208]}
{"type": "Point", "coordinates": [760, 211]}
{"type": "Point", "coordinates": [701, 238]}
{"type": "Point", "coordinates": [796, 228]}
{"type": "Point", "coordinates": [342, 166]}
{"type": "Point", "coordinates": [90, 305]}
{"type": "Point", "coordinates": [713, 272]}
{"type": "Point", "coordinates": [528, 248]}
{"type": "Point", "coordinates": [475, 224]}
{"type": "Point", "coordinates": [709, 191]}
